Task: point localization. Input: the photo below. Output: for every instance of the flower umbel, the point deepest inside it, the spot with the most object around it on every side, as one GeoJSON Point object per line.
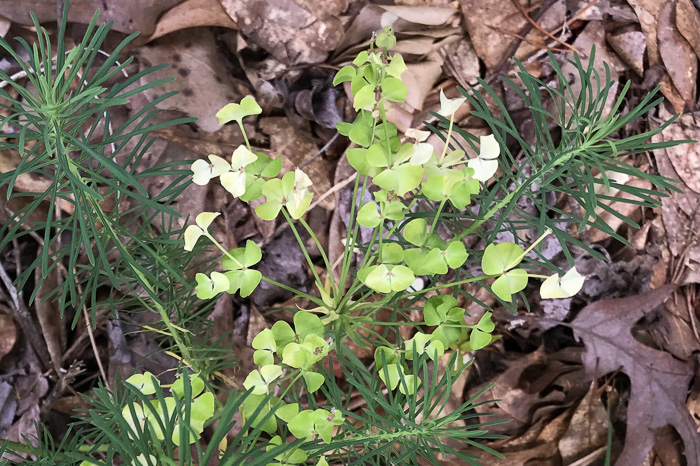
{"type": "Point", "coordinates": [235, 181]}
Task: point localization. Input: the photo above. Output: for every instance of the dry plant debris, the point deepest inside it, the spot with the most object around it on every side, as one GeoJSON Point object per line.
{"type": "Point", "coordinates": [565, 373]}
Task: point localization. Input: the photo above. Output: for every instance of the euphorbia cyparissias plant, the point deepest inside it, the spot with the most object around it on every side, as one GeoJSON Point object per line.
{"type": "Point", "coordinates": [401, 248]}
{"type": "Point", "coordinates": [413, 207]}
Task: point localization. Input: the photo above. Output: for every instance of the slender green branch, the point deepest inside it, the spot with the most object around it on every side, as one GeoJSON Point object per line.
{"type": "Point", "coordinates": [245, 136]}
{"type": "Point", "coordinates": [321, 251]}
{"type": "Point", "coordinates": [437, 215]}
{"type": "Point", "coordinates": [264, 278]}
{"type": "Point", "coordinates": [447, 139]}
{"type": "Point", "coordinates": [303, 248]}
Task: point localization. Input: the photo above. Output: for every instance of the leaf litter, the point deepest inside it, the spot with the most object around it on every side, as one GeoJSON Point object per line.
{"type": "Point", "coordinates": [558, 369]}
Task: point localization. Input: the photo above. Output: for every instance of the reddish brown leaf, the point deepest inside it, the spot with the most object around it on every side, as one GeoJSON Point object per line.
{"type": "Point", "coordinates": [659, 381]}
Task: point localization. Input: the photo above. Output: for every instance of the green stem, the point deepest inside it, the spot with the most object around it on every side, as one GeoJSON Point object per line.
{"type": "Point", "coordinates": [437, 216]}
{"type": "Point", "coordinates": [350, 246]}
{"type": "Point", "coordinates": [506, 199]}
{"type": "Point", "coordinates": [382, 112]}
{"type": "Point", "coordinates": [264, 278]}
{"type": "Point", "coordinates": [29, 450]}
{"type": "Point", "coordinates": [245, 136]}
{"type": "Point", "coordinates": [349, 240]}
{"type": "Point", "coordinates": [322, 252]}
{"type": "Point", "coordinates": [449, 285]}
{"type": "Point", "coordinates": [301, 294]}
{"type": "Point", "coordinates": [303, 247]}
{"type": "Point", "coordinates": [477, 223]}
{"type": "Point", "coordinates": [547, 232]}
{"type": "Point", "coordinates": [351, 288]}
{"type": "Point", "coordinates": [449, 136]}
{"type": "Point", "coordinates": [253, 444]}
{"type": "Point", "coordinates": [106, 222]}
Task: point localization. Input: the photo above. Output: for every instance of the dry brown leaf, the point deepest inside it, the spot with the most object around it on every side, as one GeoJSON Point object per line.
{"type": "Point", "coordinates": [26, 182]}
{"type": "Point", "coordinates": [677, 328]}
{"type": "Point", "coordinates": [659, 382]}
{"type": "Point", "coordinates": [487, 21]}
{"type": "Point", "coordinates": [685, 157]}
{"type": "Point", "coordinates": [424, 15]}
{"type": "Point", "coordinates": [128, 15]}
{"type": "Point", "coordinates": [677, 55]}
{"type": "Point", "coordinates": [514, 402]}
{"type": "Point", "coordinates": [293, 31]}
{"type": "Point", "coordinates": [681, 211]}
{"type": "Point", "coordinates": [594, 35]}
{"type": "Point", "coordinates": [23, 428]}
{"type": "Point", "coordinates": [688, 23]}
{"type": "Point", "coordinates": [537, 446]}
{"type": "Point", "coordinates": [222, 142]}
{"type": "Point", "coordinates": [588, 428]}
{"type": "Point", "coordinates": [71, 405]}
{"type": "Point", "coordinates": [52, 326]}
{"type": "Point", "coordinates": [8, 335]}
{"type": "Point", "coordinates": [193, 13]}
{"type": "Point", "coordinates": [648, 12]}
{"type": "Point", "coordinates": [410, 22]}
{"type": "Point", "coordinates": [630, 45]}
{"type": "Point", "coordinates": [464, 62]}
{"type": "Point", "coordinates": [202, 78]}
{"type": "Point", "coordinates": [5, 25]}
{"type": "Point", "coordinates": [602, 9]}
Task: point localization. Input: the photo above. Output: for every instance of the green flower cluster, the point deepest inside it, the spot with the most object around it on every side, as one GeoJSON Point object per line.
{"type": "Point", "coordinates": [162, 410]}
{"type": "Point", "coordinates": [298, 350]}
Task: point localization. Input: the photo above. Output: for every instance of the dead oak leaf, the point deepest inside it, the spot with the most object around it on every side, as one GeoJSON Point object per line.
{"type": "Point", "coordinates": [659, 382]}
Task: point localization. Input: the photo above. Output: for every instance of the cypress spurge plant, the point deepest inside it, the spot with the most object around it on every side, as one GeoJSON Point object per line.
{"type": "Point", "coordinates": [295, 407]}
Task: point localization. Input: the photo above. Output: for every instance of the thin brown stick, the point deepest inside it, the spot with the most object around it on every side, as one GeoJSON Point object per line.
{"type": "Point", "coordinates": [525, 39]}
{"type": "Point", "coordinates": [64, 380]}
{"type": "Point", "coordinates": [91, 335]}
{"type": "Point", "coordinates": [498, 70]}
{"type": "Point", "coordinates": [540, 29]}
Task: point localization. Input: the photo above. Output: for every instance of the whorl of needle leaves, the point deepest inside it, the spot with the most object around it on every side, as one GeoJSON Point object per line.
{"type": "Point", "coordinates": [580, 142]}
{"type": "Point", "coordinates": [99, 215]}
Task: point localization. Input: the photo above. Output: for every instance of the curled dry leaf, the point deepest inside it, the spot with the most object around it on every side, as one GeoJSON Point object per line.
{"type": "Point", "coordinates": [193, 13]}
{"type": "Point", "coordinates": [53, 328]}
{"type": "Point", "coordinates": [659, 382]}
{"type": "Point", "coordinates": [588, 428]}
{"type": "Point", "coordinates": [681, 211]}
{"type": "Point", "coordinates": [685, 158]}
{"type": "Point", "coordinates": [411, 21]}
